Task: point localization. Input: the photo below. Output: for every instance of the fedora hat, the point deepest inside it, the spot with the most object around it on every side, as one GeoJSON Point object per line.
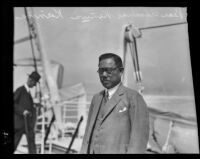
{"type": "Point", "coordinates": [35, 76]}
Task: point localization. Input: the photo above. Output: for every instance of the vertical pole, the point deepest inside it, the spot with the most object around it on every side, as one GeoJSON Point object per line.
{"type": "Point", "coordinates": [82, 107]}
{"type": "Point", "coordinates": [51, 84]}
{"type": "Point", "coordinates": [42, 131]}
{"type": "Point", "coordinates": [133, 59]}
{"type": "Point", "coordinates": [125, 74]}
{"type": "Point", "coordinates": [166, 146]}
{"type": "Point", "coordinates": [27, 131]}
{"type": "Point", "coordinates": [33, 36]}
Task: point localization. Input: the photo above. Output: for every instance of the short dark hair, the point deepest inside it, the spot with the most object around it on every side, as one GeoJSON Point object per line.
{"type": "Point", "coordinates": [116, 58]}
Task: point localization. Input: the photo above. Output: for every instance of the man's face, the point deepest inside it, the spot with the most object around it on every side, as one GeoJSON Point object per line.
{"type": "Point", "coordinates": [31, 82]}
{"type": "Point", "coordinates": [109, 74]}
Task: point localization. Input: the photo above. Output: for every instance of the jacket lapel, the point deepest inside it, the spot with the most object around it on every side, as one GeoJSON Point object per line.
{"type": "Point", "coordinates": [95, 111]}
{"type": "Point", "coordinates": [112, 103]}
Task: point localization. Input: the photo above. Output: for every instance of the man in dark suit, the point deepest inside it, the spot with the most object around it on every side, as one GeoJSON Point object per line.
{"type": "Point", "coordinates": [24, 110]}
{"type": "Point", "coordinates": [118, 119]}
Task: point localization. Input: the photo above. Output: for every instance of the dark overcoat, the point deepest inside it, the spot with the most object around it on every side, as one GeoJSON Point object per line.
{"type": "Point", "coordinates": [23, 101]}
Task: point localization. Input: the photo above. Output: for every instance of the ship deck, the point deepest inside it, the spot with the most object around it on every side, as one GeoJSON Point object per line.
{"type": "Point", "coordinates": [53, 146]}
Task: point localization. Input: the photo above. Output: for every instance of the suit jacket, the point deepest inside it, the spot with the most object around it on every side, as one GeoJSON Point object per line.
{"type": "Point", "coordinates": [23, 101]}
{"type": "Point", "coordinates": [125, 125]}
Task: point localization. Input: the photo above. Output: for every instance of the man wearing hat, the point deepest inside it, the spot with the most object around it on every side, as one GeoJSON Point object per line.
{"type": "Point", "coordinates": [24, 110]}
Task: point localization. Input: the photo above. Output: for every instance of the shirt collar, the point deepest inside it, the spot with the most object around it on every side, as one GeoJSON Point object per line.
{"type": "Point", "coordinates": [111, 91]}
{"type": "Point", "coordinates": [27, 88]}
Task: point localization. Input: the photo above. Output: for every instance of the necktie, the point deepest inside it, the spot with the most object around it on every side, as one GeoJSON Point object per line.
{"type": "Point", "coordinates": [105, 99]}
{"type": "Point", "coordinates": [106, 96]}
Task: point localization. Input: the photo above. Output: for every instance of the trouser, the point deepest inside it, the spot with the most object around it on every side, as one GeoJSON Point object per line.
{"type": "Point", "coordinates": [94, 149]}
{"type": "Point", "coordinates": [30, 137]}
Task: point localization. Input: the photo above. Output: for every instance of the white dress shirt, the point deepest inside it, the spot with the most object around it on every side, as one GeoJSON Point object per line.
{"type": "Point", "coordinates": [27, 88]}
{"type": "Point", "coordinates": [111, 91]}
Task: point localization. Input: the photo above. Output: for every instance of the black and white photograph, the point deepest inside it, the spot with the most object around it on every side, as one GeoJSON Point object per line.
{"type": "Point", "coordinates": [103, 80]}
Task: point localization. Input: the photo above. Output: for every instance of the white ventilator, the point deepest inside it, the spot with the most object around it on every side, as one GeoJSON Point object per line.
{"type": "Point", "coordinates": [131, 33]}
{"type": "Point", "coordinates": [129, 41]}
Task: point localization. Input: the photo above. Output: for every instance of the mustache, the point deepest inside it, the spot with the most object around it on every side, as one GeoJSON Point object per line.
{"type": "Point", "coordinates": [105, 79]}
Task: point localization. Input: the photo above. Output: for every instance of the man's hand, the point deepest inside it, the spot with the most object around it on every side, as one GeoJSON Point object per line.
{"type": "Point", "coordinates": [26, 112]}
